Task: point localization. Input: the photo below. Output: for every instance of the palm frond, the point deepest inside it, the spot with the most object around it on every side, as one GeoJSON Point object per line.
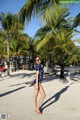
{"type": "Point", "coordinates": [76, 21]}
{"type": "Point", "coordinates": [44, 41]}
{"type": "Point", "coordinates": [77, 40]}
{"type": "Point", "coordinates": [74, 59]}
{"type": "Point", "coordinates": [34, 8]}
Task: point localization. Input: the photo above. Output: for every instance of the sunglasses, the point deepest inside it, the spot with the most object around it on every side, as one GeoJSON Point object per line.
{"type": "Point", "coordinates": [37, 59]}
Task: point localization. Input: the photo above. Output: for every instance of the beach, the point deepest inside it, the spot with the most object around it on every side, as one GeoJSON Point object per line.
{"type": "Point", "coordinates": [62, 100]}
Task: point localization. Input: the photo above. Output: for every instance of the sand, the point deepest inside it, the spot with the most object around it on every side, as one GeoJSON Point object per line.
{"type": "Point", "coordinates": [62, 100]}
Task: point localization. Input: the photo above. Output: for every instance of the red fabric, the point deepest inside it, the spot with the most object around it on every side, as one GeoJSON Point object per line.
{"type": "Point", "coordinates": [3, 68]}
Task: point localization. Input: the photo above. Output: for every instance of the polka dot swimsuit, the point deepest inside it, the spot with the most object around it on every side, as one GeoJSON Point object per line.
{"type": "Point", "coordinates": [41, 72]}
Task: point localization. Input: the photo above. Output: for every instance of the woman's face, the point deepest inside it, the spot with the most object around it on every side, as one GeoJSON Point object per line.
{"type": "Point", "coordinates": [38, 61]}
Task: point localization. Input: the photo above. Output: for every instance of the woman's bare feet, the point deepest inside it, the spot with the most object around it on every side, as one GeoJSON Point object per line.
{"type": "Point", "coordinates": [39, 112]}
{"type": "Point", "coordinates": [35, 109]}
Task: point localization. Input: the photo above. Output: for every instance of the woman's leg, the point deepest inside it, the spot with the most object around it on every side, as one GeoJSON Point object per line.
{"type": "Point", "coordinates": [35, 98]}
{"type": "Point", "coordinates": [43, 95]}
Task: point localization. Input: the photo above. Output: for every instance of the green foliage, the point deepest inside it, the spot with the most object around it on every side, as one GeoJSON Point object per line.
{"type": "Point", "coordinates": [17, 47]}
{"type": "Point", "coordinates": [34, 8]}
{"type": "Point", "coordinates": [62, 45]}
{"type": "Point", "coordinates": [6, 21]}
{"type": "Point", "coordinates": [76, 21]}
{"type": "Point", "coordinates": [12, 35]}
{"type": "Point", "coordinates": [45, 40]}
{"type": "Point", "coordinates": [2, 48]}
{"type": "Point", "coordinates": [52, 40]}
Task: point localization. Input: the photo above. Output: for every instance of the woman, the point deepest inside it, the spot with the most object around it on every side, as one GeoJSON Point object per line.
{"type": "Point", "coordinates": [38, 87]}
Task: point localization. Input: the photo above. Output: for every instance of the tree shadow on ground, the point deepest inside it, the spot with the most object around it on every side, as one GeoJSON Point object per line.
{"type": "Point", "coordinates": [46, 79]}
{"type": "Point", "coordinates": [75, 78]}
{"type": "Point", "coordinates": [9, 92]}
{"type": "Point", "coordinates": [55, 98]}
{"type": "Point", "coordinates": [52, 78]}
{"type": "Point", "coordinates": [22, 75]}
{"type": "Point", "coordinates": [30, 82]}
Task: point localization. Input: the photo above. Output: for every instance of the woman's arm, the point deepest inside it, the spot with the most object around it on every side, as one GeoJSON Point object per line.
{"type": "Point", "coordinates": [37, 83]}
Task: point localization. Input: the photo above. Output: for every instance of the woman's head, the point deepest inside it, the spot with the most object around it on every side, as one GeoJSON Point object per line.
{"type": "Point", "coordinates": [37, 60]}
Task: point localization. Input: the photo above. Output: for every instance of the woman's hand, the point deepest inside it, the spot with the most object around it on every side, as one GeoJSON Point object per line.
{"type": "Point", "coordinates": [37, 87]}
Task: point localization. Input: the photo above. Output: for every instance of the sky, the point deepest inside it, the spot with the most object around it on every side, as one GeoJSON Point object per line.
{"type": "Point", "coordinates": [13, 6]}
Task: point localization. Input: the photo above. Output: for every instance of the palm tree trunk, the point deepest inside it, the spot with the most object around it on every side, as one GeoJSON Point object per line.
{"type": "Point", "coordinates": [29, 61]}
{"type": "Point", "coordinates": [8, 55]}
{"type": "Point", "coordinates": [16, 63]}
{"type": "Point", "coordinates": [62, 72]}
{"type": "Point", "coordinates": [62, 69]}
{"type": "Point", "coordinates": [32, 60]}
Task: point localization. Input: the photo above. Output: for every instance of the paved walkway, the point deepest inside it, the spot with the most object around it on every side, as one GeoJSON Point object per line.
{"type": "Point", "coordinates": [62, 100]}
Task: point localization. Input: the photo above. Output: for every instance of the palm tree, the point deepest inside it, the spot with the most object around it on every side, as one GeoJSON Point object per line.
{"type": "Point", "coordinates": [17, 48]}
{"type": "Point", "coordinates": [6, 22]}
{"type": "Point", "coordinates": [55, 19]}
{"type": "Point", "coordinates": [2, 47]}
{"type": "Point", "coordinates": [11, 28]}
{"type": "Point", "coordinates": [61, 44]}
{"type": "Point", "coordinates": [76, 23]}
{"type": "Point", "coordinates": [63, 47]}
{"type": "Point", "coordinates": [34, 8]}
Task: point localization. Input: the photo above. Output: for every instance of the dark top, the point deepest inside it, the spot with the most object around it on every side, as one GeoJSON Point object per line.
{"type": "Point", "coordinates": [41, 72]}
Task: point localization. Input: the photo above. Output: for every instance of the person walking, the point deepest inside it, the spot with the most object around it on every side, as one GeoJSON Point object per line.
{"type": "Point", "coordinates": [38, 86]}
